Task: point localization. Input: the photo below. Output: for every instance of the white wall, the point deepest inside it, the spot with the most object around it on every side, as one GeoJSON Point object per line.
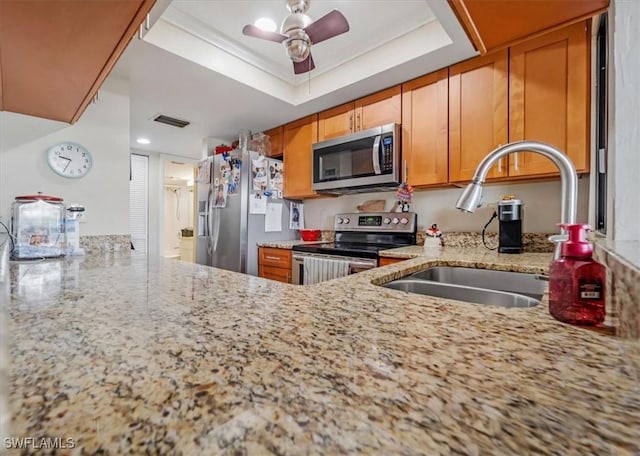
{"type": "Point", "coordinates": [104, 130]}
{"type": "Point", "coordinates": [541, 207]}
{"type": "Point", "coordinates": [624, 130]}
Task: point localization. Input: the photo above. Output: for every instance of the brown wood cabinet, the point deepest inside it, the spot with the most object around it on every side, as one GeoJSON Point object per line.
{"type": "Point", "coordinates": [298, 139]}
{"type": "Point", "coordinates": [56, 54]}
{"type": "Point", "coordinates": [425, 129]}
{"type": "Point", "coordinates": [549, 98]}
{"type": "Point", "coordinates": [383, 261]}
{"type": "Point", "coordinates": [494, 24]}
{"type": "Point", "coordinates": [274, 264]}
{"type": "Point", "coordinates": [478, 113]}
{"type": "Point", "coordinates": [276, 137]}
{"type": "Point", "coordinates": [371, 111]}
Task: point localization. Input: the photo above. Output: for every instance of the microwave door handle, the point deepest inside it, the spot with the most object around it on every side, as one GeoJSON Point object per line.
{"type": "Point", "coordinates": [375, 155]}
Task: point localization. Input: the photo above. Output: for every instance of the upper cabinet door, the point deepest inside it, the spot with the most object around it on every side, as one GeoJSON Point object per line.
{"type": "Point", "coordinates": [298, 139]}
{"type": "Point", "coordinates": [276, 139]}
{"type": "Point", "coordinates": [495, 24]}
{"type": "Point", "coordinates": [381, 108]}
{"type": "Point", "coordinates": [478, 117]}
{"type": "Point", "coordinates": [549, 98]}
{"type": "Point", "coordinates": [334, 122]}
{"type": "Point", "coordinates": [425, 129]}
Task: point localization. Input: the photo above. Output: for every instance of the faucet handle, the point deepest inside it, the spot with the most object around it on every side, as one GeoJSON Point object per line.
{"type": "Point", "coordinates": [558, 239]}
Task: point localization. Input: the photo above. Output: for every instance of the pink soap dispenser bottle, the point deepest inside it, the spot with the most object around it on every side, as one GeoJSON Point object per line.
{"type": "Point", "coordinates": [577, 281]}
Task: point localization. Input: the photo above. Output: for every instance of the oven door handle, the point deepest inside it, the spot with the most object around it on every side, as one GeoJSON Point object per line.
{"type": "Point", "coordinates": [357, 264]}
{"type": "Point", "coordinates": [360, 264]}
{"type": "Point", "coordinates": [375, 154]}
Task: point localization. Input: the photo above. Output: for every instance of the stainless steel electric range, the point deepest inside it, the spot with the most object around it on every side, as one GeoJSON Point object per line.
{"type": "Point", "coordinates": [358, 239]}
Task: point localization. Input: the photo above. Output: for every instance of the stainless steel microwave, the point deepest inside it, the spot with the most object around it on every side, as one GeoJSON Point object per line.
{"type": "Point", "coordinates": [368, 160]}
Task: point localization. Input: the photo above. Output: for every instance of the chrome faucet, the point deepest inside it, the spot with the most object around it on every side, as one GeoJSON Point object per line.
{"type": "Point", "coordinates": [471, 197]}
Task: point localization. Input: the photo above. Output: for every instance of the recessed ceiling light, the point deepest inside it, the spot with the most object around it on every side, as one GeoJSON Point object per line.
{"type": "Point", "coordinates": [143, 141]}
{"type": "Point", "coordinates": [265, 24]}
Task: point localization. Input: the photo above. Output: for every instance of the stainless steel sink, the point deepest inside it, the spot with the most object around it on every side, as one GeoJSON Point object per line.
{"type": "Point", "coordinates": [512, 282]}
{"type": "Point", "coordinates": [482, 286]}
{"type": "Point", "coordinates": [463, 293]}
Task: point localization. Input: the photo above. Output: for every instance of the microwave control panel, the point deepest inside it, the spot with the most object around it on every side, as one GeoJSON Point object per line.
{"type": "Point", "coordinates": [387, 154]}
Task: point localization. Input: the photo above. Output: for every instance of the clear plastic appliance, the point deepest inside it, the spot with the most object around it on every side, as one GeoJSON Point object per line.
{"type": "Point", "coordinates": [38, 227]}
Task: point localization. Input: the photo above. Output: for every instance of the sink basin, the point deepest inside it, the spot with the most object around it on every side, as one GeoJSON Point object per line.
{"type": "Point", "coordinates": [511, 282]}
{"type": "Point", "coordinates": [463, 293]}
{"type": "Point", "coordinates": [481, 286]}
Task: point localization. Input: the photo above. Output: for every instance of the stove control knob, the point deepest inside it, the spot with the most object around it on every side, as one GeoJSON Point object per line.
{"type": "Point", "coordinates": [404, 220]}
{"type": "Point", "coordinates": [345, 220]}
{"type": "Point", "coordinates": [386, 220]}
{"type": "Point", "coordinates": [339, 220]}
{"type": "Point", "coordinates": [395, 220]}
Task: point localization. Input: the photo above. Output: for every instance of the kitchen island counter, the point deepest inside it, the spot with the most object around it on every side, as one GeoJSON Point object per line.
{"type": "Point", "coordinates": [134, 355]}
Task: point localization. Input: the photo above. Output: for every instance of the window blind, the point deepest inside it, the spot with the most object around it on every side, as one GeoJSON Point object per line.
{"type": "Point", "coordinates": [139, 202]}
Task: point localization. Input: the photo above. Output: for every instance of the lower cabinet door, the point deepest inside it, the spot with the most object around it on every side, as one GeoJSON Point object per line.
{"type": "Point", "coordinates": [279, 274]}
{"type": "Point", "coordinates": [383, 261]}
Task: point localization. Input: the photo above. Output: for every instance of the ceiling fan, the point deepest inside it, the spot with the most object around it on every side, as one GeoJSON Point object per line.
{"type": "Point", "coordinates": [298, 32]}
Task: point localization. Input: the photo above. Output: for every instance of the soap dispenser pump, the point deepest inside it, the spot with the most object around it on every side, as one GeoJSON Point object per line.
{"type": "Point", "coordinates": [577, 281]}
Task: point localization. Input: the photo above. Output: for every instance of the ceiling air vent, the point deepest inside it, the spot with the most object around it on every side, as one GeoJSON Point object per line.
{"type": "Point", "coordinates": [171, 121]}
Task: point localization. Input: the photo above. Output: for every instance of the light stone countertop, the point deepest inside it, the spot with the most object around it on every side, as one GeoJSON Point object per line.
{"type": "Point", "coordinates": [135, 355]}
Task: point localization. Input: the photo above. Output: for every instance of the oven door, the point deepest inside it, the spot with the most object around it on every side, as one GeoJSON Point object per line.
{"type": "Point", "coordinates": [355, 265]}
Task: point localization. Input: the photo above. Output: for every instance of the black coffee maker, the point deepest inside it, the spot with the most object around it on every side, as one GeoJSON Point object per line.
{"type": "Point", "coordinates": [510, 214]}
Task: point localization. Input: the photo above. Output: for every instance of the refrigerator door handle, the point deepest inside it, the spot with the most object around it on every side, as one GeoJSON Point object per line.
{"type": "Point", "coordinates": [216, 229]}
{"type": "Point", "coordinates": [208, 219]}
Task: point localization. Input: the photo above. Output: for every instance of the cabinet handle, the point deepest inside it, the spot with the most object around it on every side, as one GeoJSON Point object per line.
{"type": "Point", "coordinates": [147, 22]}
{"type": "Point", "coordinates": [350, 123]}
{"type": "Point", "coordinates": [516, 163]}
{"type": "Point", "coordinates": [405, 171]}
{"type": "Point", "coordinates": [500, 165]}
{"type": "Point", "coordinates": [358, 123]}
{"type": "Point", "coordinates": [268, 257]}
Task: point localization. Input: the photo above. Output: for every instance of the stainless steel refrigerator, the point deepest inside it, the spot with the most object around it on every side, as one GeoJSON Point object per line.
{"type": "Point", "coordinates": [227, 236]}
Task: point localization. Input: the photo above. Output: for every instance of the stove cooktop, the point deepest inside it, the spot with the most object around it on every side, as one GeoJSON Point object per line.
{"type": "Point", "coordinates": [343, 249]}
{"type": "Point", "coordinates": [364, 234]}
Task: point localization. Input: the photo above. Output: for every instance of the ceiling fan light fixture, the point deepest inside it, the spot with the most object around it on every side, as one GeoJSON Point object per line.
{"type": "Point", "coordinates": [298, 46]}
{"type": "Point", "coordinates": [298, 32]}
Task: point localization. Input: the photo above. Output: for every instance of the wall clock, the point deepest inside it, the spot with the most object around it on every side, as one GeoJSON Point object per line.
{"type": "Point", "coordinates": [69, 159]}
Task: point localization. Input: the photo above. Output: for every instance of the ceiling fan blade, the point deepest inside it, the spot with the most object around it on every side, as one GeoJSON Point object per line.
{"type": "Point", "coordinates": [331, 24]}
{"type": "Point", "coordinates": [304, 66]}
{"type": "Point", "coordinates": [257, 32]}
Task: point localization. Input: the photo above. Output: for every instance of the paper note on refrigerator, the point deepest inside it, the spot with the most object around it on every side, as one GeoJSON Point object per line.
{"type": "Point", "coordinates": [273, 217]}
{"type": "Point", "coordinates": [296, 216]}
{"type": "Point", "coordinates": [257, 203]}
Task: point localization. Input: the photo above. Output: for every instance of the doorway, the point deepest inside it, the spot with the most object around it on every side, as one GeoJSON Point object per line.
{"type": "Point", "coordinates": [178, 210]}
